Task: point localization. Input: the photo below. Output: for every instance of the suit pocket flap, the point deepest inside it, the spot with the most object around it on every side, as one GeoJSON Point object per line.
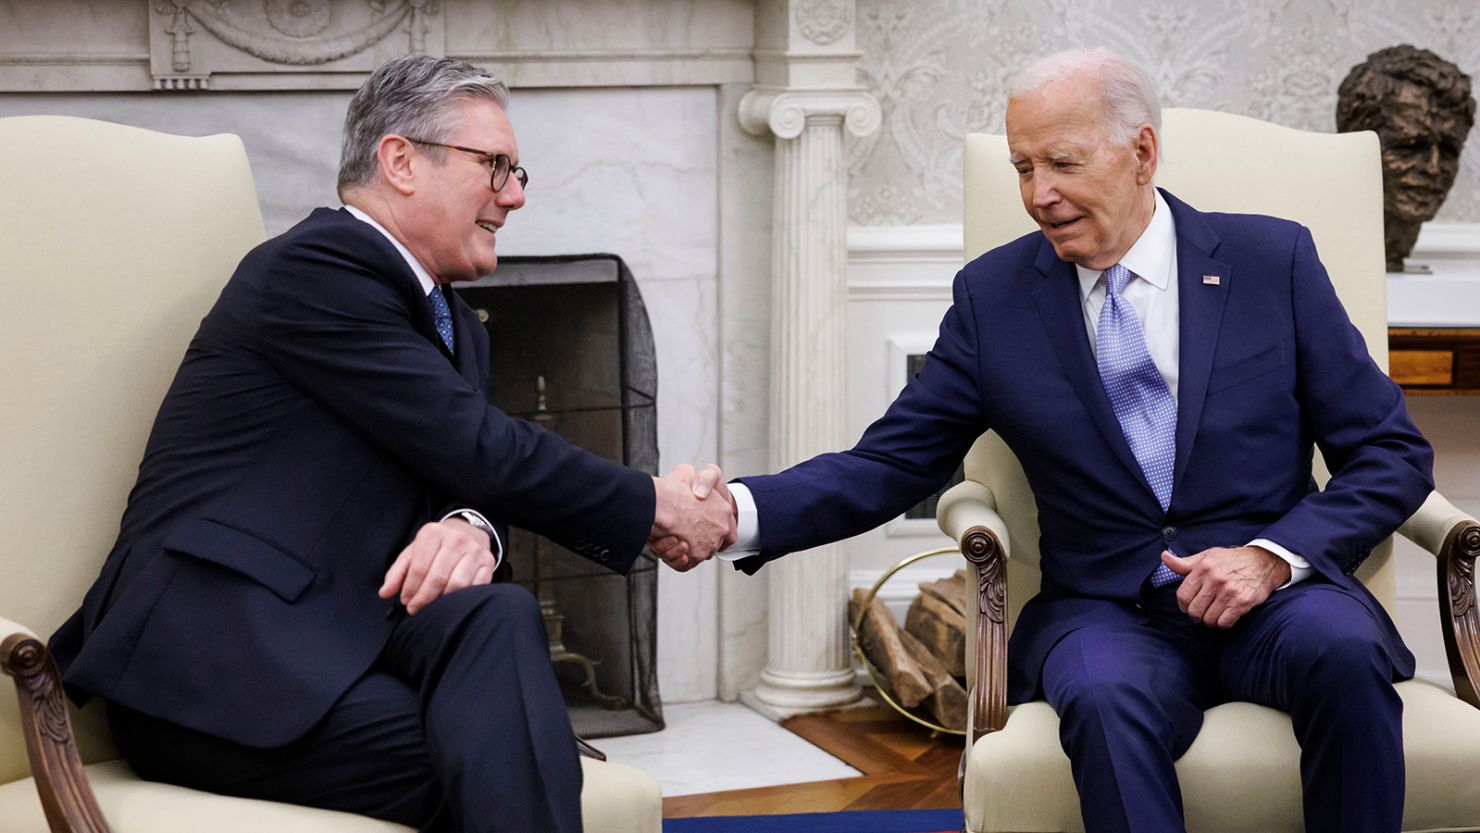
{"type": "Point", "coordinates": [244, 553]}
{"type": "Point", "coordinates": [1245, 369]}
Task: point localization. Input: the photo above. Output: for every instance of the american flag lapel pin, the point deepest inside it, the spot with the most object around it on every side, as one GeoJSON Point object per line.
{"type": "Point", "coordinates": [1212, 280]}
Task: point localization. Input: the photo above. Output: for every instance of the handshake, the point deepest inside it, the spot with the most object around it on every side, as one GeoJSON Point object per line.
{"type": "Point", "coordinates": [695, 516]}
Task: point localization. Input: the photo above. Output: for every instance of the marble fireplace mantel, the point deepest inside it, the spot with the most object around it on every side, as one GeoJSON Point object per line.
{"type": "Point", "coordinates": [263, 45]}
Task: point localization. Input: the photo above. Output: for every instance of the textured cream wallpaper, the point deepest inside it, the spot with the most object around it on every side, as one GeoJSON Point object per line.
{"type": "Point", "coordinates": [939, 68]}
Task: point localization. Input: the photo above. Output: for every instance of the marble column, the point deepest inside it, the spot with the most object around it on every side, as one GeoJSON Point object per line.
{"type": "Point", "coordinates": [808, 666]}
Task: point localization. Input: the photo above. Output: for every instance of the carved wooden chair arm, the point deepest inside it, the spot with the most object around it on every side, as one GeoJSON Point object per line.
{"type": "Point", "coordinates": [1454, 538]}
{"type": "Point", "coordinates": [66, 796]}
{"type": "Point", "coordinates": [968, 513]}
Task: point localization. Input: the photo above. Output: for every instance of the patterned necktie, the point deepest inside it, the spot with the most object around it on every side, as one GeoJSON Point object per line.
{"type": "Point", "coordinates": [1143, 404]}
{"type": "Point", "coordinates": [442, 315]}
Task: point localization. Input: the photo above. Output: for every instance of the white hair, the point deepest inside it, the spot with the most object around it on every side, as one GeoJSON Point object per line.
{"type": "Point", "coordinates": [1127, 92]}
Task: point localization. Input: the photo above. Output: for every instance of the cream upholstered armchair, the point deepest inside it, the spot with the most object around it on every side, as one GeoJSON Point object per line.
{"type": "Point", "coordinates": [114, 241]}
{"type": "Point", "coordinates": [1242, 772]}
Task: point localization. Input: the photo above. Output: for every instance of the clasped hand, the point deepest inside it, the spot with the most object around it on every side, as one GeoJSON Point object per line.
{"type": "Point", "coordinates": [1221, 584]}
{"type": "Point", "coordinates": [695, 516]}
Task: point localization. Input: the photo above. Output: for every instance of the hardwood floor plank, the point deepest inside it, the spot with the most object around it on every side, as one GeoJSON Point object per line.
{"type": "Point", "coordinates": [904, 768]}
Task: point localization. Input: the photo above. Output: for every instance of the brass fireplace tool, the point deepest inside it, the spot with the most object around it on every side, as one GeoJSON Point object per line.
{"type": "Point", "coordinates": [545, 590]}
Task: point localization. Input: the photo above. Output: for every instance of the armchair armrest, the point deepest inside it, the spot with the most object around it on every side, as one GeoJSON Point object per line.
{"type": "Point", "coordinates": [1454, 538]}
{"type": "Point", "coordinates": [968, 513]}
{"type": "Point", "coordinates": [61, 781]}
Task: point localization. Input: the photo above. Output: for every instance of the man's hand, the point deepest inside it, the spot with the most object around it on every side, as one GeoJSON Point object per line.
{"type": "Point", "coordinates": [688, 528]}
{"type": "Point", "coordinates": [443, 558]}
{"type": "Point", "coordinates": [1223, 584]}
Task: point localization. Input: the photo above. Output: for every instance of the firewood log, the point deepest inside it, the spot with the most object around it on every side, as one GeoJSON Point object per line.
{"type": "Point", "coordinates": [879, 635]}
{"type": "Point", "coordinates": [951, 590]}
{"type": "Point", "coordinates": [941, 628]}
{"type": "Point", "coordinates": [947, 700]}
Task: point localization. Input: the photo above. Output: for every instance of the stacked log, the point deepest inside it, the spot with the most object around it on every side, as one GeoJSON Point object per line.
{"type": "Point", "coordinates": [882, 643]}
{"type": "Point", "coordinates": [925, 662]}
{"type": "Point", "coordinates": [937, 617]}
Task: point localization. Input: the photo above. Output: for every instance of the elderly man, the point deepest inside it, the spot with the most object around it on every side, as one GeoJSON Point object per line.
{"type": "Point", "coordinates": [1162, 375]}
{"type": "Point", "coordinates": [299, 604]}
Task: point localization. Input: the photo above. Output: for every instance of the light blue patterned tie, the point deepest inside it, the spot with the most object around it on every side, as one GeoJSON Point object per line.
{"type": "Point", "coordinates": [442, 315]}
{"type": "Point", "coordinates": [1143, 404]}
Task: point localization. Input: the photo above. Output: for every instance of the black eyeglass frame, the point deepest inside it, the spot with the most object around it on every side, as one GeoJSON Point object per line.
{"type": "Point", "coordinates": [493, 160]}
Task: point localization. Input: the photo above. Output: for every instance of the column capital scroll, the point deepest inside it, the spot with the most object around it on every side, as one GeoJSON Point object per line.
{"type": "Point", "coordinates": [784, 111]}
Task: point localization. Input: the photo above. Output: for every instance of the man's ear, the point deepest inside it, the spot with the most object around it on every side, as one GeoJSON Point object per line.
{"type": "Point", "coordinates": [395, 159]}
{"type": "Point", "coordinates": [1147, 149]}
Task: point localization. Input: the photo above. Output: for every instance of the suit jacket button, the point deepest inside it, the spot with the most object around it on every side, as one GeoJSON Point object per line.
{"type": "Point", "coordinates": [1169, 534]}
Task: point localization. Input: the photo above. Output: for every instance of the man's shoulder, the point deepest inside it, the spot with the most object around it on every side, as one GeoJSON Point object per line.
{"type": "Point", "coordinates": [1234, 228]}
{"type": "Point", "coordinates": [323, 227]}
{"type": "Point", "coordinates": [1005, 265]}
{"type": "Point", "coordinates": [327, 239]}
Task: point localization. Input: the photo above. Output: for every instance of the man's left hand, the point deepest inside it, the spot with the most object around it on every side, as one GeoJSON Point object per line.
{"type": "Point", "coordinates": [443, 558]}
{"type": "Point", "coordinates": [1222, 584]}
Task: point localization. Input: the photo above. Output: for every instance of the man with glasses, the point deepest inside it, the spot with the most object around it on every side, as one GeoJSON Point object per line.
{"type": "Point", "coordinates": [299, 606]}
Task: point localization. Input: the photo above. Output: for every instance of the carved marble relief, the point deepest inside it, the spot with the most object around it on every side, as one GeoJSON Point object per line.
{"type": "Point", "coordinates": [824, 21]}
{"type": "Point", "coordinates": [939, 69]}
{"type": "Point", "coordinates": [194, 41]}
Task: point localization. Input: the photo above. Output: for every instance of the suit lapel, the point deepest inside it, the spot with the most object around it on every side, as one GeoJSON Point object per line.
{"type": "Point", "coordinates": [1062, 310]}
{"type": "Point", "coordinates": [466, 358]}
{"type": "Point", "coordinates": [400, 276]}
{"type": "Point", "coordinates": [1200, 307]}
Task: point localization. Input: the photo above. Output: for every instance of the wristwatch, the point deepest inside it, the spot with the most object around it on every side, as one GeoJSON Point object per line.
{"type": "Point", "coordinates": [476, 520]}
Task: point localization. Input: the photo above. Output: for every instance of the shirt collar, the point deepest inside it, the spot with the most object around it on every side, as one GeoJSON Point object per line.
{"type": "Point", "coordinates": [1150, 258]}
{"type": "Point", "coordinates": [422, 275]}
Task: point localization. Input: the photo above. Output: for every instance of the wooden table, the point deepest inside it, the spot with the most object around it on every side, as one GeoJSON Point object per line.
{"type": "Point", "coordinates": [1442, 361]}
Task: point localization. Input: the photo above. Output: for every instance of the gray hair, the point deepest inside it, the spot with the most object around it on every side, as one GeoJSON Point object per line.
{"type": "Point", "coordinates": [411, 96]}
{"type": "Point", "coordinates": [1127, 92]}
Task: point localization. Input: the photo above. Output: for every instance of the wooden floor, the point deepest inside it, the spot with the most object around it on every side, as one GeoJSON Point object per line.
{"type": "Point", "coordinates": [903, 768]}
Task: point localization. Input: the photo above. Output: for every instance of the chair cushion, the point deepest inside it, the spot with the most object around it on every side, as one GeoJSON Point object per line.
{"type": "Point", "coordinates": [1018, 779]}
{"type": "Point", "coordinates": [625, 800]}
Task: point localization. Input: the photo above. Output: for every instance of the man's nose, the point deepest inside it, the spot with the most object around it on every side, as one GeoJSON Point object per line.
{"type": "Point", "coordinates": [1044, 191]}
{"type": "Point", "coordinates": [511, 196]}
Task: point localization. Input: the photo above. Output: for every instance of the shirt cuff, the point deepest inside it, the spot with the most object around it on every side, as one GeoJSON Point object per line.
{"type": "Point", "coordinates": [747, 526]}
{"type": "Point", "coordinates": [476, 520]}
{"type": "Point", "coordinates": [1300, 568]}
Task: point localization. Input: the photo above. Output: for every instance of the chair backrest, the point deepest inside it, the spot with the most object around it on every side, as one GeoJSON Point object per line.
{"type": "Point", "coordinates": [114, 241]}
{"type": "Point", "coordinates": [1331, 183]}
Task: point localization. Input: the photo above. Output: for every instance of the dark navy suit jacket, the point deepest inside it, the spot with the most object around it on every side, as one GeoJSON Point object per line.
{"type": "Point", "coordinates": [1270, 367]}
{"type": "Point", "coordinates": [316, 422]}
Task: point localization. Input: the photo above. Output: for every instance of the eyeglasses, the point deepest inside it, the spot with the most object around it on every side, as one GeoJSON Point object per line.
{"type": "Point", "coordinates": [499, 165]}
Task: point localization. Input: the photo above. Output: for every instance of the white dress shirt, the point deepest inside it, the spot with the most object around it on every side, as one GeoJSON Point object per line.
{"type": "Point", "coordinates": [1153, 292]}
{"type": "Point", "coordinates": [427, 286]}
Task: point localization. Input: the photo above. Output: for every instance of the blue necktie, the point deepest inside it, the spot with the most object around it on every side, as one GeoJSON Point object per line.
{"type": "Point", "coordinates": [442, 315]}
{"type": "Point", "coordinates": [1138, 393]}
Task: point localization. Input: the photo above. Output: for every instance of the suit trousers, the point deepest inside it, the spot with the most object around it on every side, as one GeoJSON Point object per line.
{"type": "Point", "coordinates": [1130, 701]}
{"type": "Point", "coordinates": [460, 726]}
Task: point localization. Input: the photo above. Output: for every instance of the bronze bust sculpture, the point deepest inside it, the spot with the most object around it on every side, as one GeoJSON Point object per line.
{"type": "Point", "coordinates": [1421, 108]}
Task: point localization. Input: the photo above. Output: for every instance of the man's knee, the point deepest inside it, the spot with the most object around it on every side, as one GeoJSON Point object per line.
{"type": "Point", "coordinates": [1102, 695]}
{"type": "Point", "coordinates": [501, 605]}
{"type": "Point", "coordinates": [1085, 679]}
{"type": "Point", "coordinates": [1344, 658]}
{"type": "Point", "coordinates": [1331, 639]}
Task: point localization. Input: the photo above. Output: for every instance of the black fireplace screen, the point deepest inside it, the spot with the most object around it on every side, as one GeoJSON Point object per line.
{"type": "Point", "coordinates": [572, 349]}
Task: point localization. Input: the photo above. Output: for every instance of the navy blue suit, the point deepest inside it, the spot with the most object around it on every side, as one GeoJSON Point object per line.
{"type": "Point", "coordinates": [1270, 366]}
{"type": "Point", "coordinates": [316, 422]}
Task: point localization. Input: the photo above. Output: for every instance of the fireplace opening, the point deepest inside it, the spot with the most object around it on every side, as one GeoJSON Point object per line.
{"type": "Point", "coordinates": [572, 349]}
